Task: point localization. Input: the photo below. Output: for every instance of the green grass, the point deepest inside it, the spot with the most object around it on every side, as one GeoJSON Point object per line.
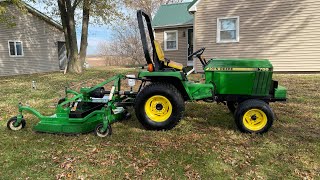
{"type": "Point", "coordinates": [206, 144]}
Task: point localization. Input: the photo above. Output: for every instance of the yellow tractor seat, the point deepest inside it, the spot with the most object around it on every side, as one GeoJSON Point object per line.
{"type": "Point", "coordinates": [167, 62]}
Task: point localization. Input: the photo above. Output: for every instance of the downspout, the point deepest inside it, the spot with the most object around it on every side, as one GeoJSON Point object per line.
{"type": "Point", "coordinates": [193, 12]}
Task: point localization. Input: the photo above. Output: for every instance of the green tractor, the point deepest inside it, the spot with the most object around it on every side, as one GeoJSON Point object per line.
{"type": "Point", "coordinates": [245, 86]}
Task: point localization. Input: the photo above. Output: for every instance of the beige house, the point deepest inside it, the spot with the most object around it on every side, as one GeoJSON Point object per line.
{"type": "Point", "coordinates": [173, 26]}
{"type": "Point", "coordinates": [286, 32]}
{"type": "Point", "coordinates": [35, 44]}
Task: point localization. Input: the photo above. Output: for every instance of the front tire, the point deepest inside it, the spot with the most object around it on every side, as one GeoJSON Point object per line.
{"type": "Point", "coordinates": [159, 106]}
{"type": "Point", "coordinates": [254, 116]}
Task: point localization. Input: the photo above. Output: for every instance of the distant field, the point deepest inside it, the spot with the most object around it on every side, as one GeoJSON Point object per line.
{"type": "Point", "coordinates": [96, 61]}
{"type": "Point", "coordinates": [102, 61]}
{"type": "Point", "coordinates": [205, 145]}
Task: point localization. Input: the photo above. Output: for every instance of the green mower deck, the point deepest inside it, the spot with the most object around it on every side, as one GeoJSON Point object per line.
{"type": "Point", "coordinates": [84, 112]}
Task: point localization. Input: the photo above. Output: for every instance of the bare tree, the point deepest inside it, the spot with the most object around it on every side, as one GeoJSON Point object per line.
{"type": "Point", "coordinates": [126, 40]}
{"type": "Point", "coordinates": [125, 43]}
{"type": "Point", "coordinates": [104, 9]}
{"type": "Point", "coordinates": [80, 13]}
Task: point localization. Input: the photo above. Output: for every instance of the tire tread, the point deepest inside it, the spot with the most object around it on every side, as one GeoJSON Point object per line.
{"type": "Point", "coordinates": [159, 86]}
{"type": "Point", "coordinates": [251, 104]}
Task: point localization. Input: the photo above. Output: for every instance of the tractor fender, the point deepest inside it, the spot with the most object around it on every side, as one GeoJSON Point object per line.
{"type": "Point", "coordinates": [173, 80]}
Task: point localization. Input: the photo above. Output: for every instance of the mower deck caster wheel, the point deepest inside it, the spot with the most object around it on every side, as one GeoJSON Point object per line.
{"type": "Point", "coordinates": [12, 121]}
{"type": "Point", "coordinates": [98, 132]}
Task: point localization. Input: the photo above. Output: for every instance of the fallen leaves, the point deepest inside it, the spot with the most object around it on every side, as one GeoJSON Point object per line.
{"type": "Point", "coordinates": [190, 173]}
{"type": "Point", "coordinates": [204, 143]}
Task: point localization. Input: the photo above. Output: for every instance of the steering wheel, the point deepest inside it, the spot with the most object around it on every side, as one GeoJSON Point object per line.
{"type": "Point", "coordinates": [198, 53]}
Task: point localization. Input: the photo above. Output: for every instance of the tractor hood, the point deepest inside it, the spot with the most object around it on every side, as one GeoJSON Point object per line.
{"type": "Point", "coordinates": [239, 65]}
{"type": "Point", "coordinates": [248, 77]}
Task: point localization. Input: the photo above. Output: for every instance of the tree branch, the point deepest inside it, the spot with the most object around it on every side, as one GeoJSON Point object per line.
{"type": "Point", "coordinates": [75, 4]}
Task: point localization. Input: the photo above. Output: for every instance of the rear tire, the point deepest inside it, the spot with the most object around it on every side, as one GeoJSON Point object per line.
{"type": "Point", "coordinates": [254, 116]}
{"type": "Point", "coordinates": [159, 106]}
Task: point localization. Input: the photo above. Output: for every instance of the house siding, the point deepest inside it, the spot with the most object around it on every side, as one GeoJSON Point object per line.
{"type": "Point", "coordinates": [180, 55]}
{"type": "Point", "coordinates": [286, 32]}
{"type": "Point", "coordinates": [40, 45]}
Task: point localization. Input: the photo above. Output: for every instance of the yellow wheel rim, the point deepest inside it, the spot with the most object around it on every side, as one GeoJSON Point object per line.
{"type": "Point", "coordinates": [255, 119]}
{"type": "Point", "coordinates": [158, 108]}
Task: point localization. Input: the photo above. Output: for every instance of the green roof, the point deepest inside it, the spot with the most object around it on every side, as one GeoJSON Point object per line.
{"type": "Point", "coordinates": [173, 15]}
{"type": "Point", "coordinates": [191, 4]}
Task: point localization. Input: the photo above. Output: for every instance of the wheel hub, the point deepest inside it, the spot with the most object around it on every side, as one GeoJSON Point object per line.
{"type": "Point", "coordinates": [255, 119]}
{"type": "Point", "coordinates": [158, 108]}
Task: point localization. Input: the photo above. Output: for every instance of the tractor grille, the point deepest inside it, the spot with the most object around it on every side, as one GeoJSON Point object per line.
{"type": "Point", "coordinates": [261, 86]}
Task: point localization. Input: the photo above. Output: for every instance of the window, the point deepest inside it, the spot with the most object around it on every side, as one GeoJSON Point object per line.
{"type": "Point", "coordinates": [170, 40]}
{"type": "Point", "coordinates": [15, 48]}
{"type": "Point", "coordinates": [228, 30]}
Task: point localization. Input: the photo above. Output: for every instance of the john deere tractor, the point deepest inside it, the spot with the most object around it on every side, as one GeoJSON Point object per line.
{"type": "Point", "coordinates": [244, 85]}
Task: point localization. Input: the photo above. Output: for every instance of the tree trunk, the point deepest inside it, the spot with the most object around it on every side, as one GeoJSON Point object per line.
{"type": "Point", "coordinates": [65, 21]}
{"type": "Point", "coordinates": [84, 33]}
{"type": "Point", "coordinates": [74, 65]}
{"type": "Point", "coordinates": [67, 12]}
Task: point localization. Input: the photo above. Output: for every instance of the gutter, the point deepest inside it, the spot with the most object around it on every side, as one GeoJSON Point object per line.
{"type": "Point", "coordinates": [173, 26]}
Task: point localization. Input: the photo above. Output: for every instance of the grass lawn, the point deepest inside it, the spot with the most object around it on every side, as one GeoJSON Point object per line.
{"type": "Point", "coordinates": [205, 145]}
